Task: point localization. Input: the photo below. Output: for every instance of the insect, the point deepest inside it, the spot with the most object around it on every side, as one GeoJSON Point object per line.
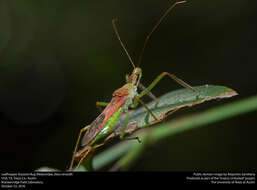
{"type": "Point", "coordinates": [123, 98]}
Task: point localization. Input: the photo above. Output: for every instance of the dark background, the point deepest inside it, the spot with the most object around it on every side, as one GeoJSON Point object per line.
{"type": "Point", "coordinates": [58, 57]}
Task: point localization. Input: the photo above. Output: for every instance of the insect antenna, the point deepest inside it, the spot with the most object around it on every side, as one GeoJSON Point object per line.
{"type": "Point", "coordinates": [118, 36]}
{"type": "Point", "coordinates": [155, 27]}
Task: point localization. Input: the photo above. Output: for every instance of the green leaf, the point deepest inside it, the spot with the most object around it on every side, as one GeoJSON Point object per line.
{"type": "Point", "coordinates": [108, 156]}
{"type": "Point", "coordinates": [171, 102]}
{"type": "Point", "coordinates": [179, 99]}
{"type": "Point", "coordinates": [132, 149]}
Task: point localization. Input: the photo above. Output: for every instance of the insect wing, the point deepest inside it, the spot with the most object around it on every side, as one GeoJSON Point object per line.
{"type": "Point", "coordinates": [93, 130]}
{"type": "Point", "coordinates": [99, 122]}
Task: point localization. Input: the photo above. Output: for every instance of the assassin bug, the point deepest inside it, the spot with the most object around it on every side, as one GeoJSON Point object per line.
{"type": "Point", "coordinates": [123, 98]}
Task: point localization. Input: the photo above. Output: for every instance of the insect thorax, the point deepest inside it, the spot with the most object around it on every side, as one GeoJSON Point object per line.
{"type": "Point", "coordinates": [132, 94]}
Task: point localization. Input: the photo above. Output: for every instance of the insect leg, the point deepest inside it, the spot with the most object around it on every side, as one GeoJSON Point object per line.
{"type": "Point", "coordinates": [150, 94]}
{"type": "Point", "coordinates": [124, 129]}
{"type": "Point", "coordinates": [101, 104]}
{"type": "Point", "coordinates": [77, 144]}
{"type": "Point", "coordinates": [148, 109]}
{"type": "Point", "coordinates": [88, 150]}
{"type": "Point", "coordinates": [135, 103]}
{"type": "Point", "coordinates": [153, 84]}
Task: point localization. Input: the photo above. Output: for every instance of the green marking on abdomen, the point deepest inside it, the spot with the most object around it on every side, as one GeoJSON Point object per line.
{"type": "Point", "coordinates": [109, 125]}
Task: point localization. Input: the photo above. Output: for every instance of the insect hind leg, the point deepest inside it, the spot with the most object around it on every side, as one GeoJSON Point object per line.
{"type": "Point", "coordinates": [87, 150]}
{"type": "Point", "coordinates": [77, 144]}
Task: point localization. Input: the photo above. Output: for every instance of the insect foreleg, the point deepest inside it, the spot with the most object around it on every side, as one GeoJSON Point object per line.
{"type": "Point", "coordinates": [150, 94]}
{"type": "Point", "coordinates": [154, 83]}
{"type": "Point", "coordinates": [77, 144]}
{"type": "Point", "coordinates": [148, 109]}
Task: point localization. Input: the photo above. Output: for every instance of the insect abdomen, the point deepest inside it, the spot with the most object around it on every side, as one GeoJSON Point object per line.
{"type": "Point", "coordinates": [109, 126]}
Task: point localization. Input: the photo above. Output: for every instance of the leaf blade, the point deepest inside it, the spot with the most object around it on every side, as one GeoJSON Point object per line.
{"type": "Point", "coordinates": [173, 101]}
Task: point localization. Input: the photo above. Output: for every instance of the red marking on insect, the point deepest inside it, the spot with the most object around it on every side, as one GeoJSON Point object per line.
{"type": "Point", "coordinates": [116, 102]}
